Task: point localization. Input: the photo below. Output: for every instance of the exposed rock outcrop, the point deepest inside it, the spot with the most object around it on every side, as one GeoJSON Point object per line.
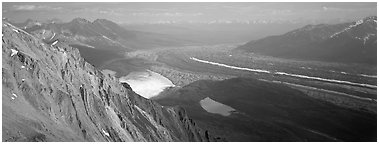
{"type": "Point", "coordinates": [51, 94]}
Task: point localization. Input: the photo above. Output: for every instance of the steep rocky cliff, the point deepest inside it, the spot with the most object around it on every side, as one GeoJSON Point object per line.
{"type": "Point", "coordinates": [51, 94]}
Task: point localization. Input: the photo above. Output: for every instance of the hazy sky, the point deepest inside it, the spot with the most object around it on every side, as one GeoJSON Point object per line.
{"type": "Point", "coordinates": [188, 12]}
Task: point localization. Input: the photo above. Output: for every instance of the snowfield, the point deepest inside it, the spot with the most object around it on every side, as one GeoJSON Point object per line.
{"type": "Point", "coordinates": [147, 83]}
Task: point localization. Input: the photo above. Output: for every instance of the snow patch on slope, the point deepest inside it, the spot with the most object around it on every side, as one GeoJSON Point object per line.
{"type": "Point", "coordinates": [14, 96]}
{"type": "Point", "coordinates": [14, 52]}
{"type": "Point", "coordinates": [15, 30]}
{"type": "Point", "coordinates": [107, 38]}
{"type": "Point", "coordinates": [347, 28]}
{"type": "Point", "coordinates": [52, 36]}
{"type": "Point", "coordinates": [107, 134]}
{"type": "Point", "coordinates": [55, 42]}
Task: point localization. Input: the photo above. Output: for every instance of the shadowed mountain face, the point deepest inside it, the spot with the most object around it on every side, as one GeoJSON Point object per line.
{"type": "Point", "coordinates": [353, 42]}
{"type": "Point", "coordinates": [49, 93]}
{"type": "Point", "coordinates": [263, 111]}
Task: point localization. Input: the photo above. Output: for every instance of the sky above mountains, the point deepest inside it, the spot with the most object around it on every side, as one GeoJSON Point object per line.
{"type": "Point", "coordinates": [191, 12]}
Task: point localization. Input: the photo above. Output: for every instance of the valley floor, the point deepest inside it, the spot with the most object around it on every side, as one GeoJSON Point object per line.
{"type": "Point", "coordinates": [349, 86]}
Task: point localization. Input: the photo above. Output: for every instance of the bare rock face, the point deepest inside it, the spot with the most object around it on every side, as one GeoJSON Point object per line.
{"type": "Point", "coordinates": [51, 94]}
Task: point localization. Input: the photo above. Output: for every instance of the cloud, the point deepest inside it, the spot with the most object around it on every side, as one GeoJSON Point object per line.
{"type": "Point", "coordinates": [166, 14]}
{"type": "Point", "coordinates": [281, 12]}
{"type": "Point", "coordinates": [109, 12]}
{"type": "Point", "coordinates": [34, 7]}
{"type": "Point", "coordinates": [24, 7]}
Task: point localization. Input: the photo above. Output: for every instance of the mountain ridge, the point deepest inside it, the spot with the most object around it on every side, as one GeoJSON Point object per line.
{"type": "Point", "coordinates": [353, 42]}
{"type": "Point", "coordinates": [103, 33]}
{"type": "Point", "coordinates": [51, 94]}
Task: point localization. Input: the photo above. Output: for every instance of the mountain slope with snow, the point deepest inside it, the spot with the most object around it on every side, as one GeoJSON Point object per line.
{"type": "Point", "coordinates": [50, 93]}
{"type": "Point", "coordinates": [353, 42]}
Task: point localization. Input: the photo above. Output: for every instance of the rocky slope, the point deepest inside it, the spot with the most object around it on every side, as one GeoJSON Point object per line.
{"type": "Point", "coordinates": [50, 93]}
{"type": "Point", "coordinates": [353, 42]}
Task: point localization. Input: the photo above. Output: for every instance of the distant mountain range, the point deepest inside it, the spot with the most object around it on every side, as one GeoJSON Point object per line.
{"type": "Point", "coordinates": [101, 40]}
{"type": "Point", "coordinates": [100, 34]}
{"type": "Point", "coordinates": [216, 33]}
{"type": "Point", "coordinates": [240, 21]}
{"type": "Point", "coordinates": [353, 42]}
{"type": "Point", "coordinates": [103, 33]}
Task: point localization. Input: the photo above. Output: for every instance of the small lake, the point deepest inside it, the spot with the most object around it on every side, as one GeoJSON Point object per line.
{"type": "Point", "coordinates": [215, 107]}
{"type": "Point", "coordinates": [147, 83]}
